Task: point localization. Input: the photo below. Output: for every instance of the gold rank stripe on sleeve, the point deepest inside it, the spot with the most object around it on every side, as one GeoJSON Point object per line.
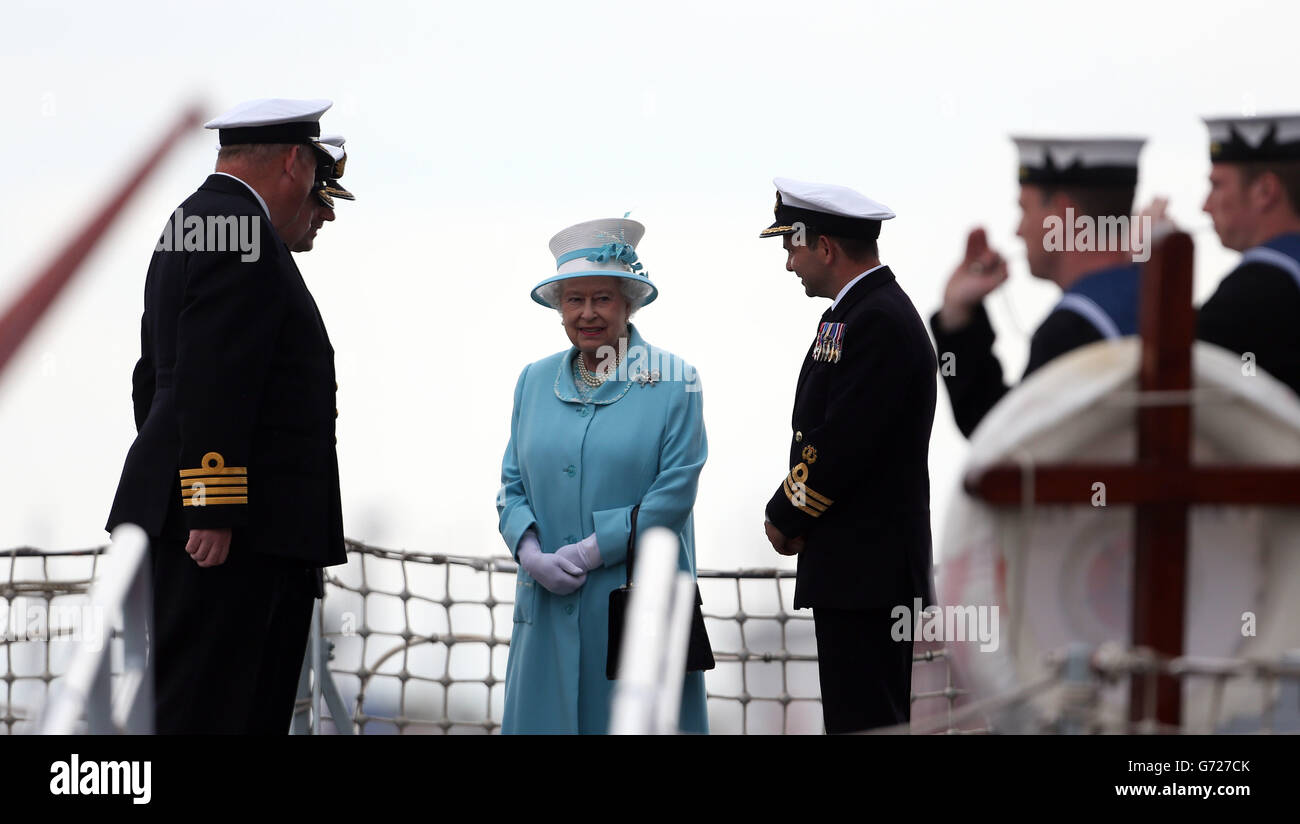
{"type": "Point", "coordinates": [802, 497]}
{"type": "Point", "coordinates": [214, 464]}
{"type": "Point", "coordinates": [816, 498]}
{"type": "Point", "coordinates": [802, 502]}
{"type": "Point", "coordinates": [214, 483]}
{"type": "Point", "coordinates": [215, 480]}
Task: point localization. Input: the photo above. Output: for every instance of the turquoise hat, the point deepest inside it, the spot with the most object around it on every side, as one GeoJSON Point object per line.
{"type": "Point", "coordinates": [598, 248]}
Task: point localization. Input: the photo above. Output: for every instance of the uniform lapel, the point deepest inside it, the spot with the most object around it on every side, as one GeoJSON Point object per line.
{"type": "Point", "coordinates": [807, 360]}
{"type": "Point", "coordinates": [860, 290]}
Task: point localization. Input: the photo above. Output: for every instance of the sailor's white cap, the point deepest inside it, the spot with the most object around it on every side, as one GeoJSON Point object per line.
{"type": "Point", "coordinates": [1079, 161]}
{"type": "Point", "coordinates": [1266, 138]}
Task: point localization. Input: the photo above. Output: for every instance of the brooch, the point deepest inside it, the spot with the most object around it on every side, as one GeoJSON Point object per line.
{"type": "Point", "coordinates": [648, 379]}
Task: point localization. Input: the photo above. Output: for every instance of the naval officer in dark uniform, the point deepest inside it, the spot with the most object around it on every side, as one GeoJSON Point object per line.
{"type": "Point", "coordinates": [326, 189]}
{"type": "Point", "coordinates": [1254, 201]}
{"type": "Point", "coordinates": [1060, 180]}
{"type": "Point", "coordinates": [233, 472]}
{"type": "Point", "coordinates": [855, 503]}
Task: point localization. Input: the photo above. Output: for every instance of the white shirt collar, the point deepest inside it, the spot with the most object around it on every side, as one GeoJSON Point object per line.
{"type": "Point", "coordinates": [851, 283]}
{"type": "Point", "coordinates": [251, 189]}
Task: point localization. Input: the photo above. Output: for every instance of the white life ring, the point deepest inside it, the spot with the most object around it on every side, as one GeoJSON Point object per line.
{"type": "Point", "coordinates": [1064, 573]}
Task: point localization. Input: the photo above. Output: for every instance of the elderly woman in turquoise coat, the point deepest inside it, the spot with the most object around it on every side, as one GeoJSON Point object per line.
{"type": "Point", "coordinates": [604, 426]}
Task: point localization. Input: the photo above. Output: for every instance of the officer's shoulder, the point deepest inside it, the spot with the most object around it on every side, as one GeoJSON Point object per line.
{"type": "Point", "coordinates": [886, 308]}
{"type": "Point", "coordinates": [208, 201]}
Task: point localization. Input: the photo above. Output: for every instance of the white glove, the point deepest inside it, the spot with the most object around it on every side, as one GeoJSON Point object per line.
{"type": "Point", "coordinates": [551, 570]}
{"type": "Point", "coordinates": [585, 553]}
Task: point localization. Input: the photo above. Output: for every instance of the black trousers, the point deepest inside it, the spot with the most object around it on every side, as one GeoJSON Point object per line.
{"type": "Point", "coordinates": [866, 676]}
{"type": "Point", "coordinates": [228, 641]}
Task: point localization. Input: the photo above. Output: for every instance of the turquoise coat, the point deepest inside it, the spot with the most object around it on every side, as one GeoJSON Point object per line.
{"type": "Point", "coordinates": [572, 468]}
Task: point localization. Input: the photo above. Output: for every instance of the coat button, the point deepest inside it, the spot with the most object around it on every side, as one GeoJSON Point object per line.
{"type": "Point", "coordinates": [336, 413]}
{"type": "Point", "coordinates": [570, 470]}
{"type": "Point", "coordinates": [798, 436]}
{"type": "Point", "coordinates": [569, 609]}
{"type": "Point", "coordinates": [584, 411]}
{"type": "Point", "coordinates": [569, 539]}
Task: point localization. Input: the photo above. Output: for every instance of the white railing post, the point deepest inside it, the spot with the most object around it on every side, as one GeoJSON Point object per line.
{"type": "Point", "coordinates": [122, 589]}
{"type": "Point", "coordinates": [133, 705]}
{"type": "Point", "coordinates": [674, 666]}
{"type": "Point", "coordinates": [656, 634]}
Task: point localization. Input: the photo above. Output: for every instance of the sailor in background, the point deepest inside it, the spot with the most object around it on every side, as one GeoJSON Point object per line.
{"type": "Point", "coordinates": [855, 503]}
{"type": "Point", "coordinates": [233, 473]}
{"type": "Point", "coordinates": [1254, 202]}
{"type": "Point", "coordinates": [1061, 180]}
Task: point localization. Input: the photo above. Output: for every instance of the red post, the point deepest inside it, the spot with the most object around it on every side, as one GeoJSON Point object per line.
{"type": "Point", "coordinates": [19, 320]}
{"type": "Point", "coordinates": [1167, 324]}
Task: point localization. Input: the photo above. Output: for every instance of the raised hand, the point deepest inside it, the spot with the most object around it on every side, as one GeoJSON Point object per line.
{"type": "Point", "coordinates": [980, 272]}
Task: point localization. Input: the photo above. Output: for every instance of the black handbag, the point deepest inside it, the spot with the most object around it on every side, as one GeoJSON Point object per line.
{"type": "Point", "coordinates": [699, 655]}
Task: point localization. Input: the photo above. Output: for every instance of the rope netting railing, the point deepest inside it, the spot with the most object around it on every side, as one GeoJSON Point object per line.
{"type": "Point", "coordinates": [421, 640]}
{"type": "Point", "coordinates": [420, 643]}
{"type": "Point", "coordinates": [43, 607]}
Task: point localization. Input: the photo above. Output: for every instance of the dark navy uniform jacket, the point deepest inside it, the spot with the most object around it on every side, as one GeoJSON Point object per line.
{"type": "Point", "coordinates": [1257, 309]}
{"type": "Point", "coordinates": [1101, 305]}
{"type": "Point", "coordinates": [234, 396]}
{"type": "Point", "coordinates": [858, 490]}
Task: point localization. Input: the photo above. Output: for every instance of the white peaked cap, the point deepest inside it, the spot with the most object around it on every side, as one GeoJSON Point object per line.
{"type": "Point", "coordinates": [831, 199]}
{"type": "Point", "coordinates": [270, 120]}
{"type": "Point", "coordinates": [270, 111]}
{"type": "Point", "coordinates": [826, 209]}
{"type": "Point", "coordinates": [332, 144]}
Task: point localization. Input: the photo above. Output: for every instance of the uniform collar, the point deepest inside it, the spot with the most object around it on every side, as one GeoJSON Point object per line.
{"type": "Point", "coordinates": [859, 287]}
{"type": "Point", "coordinates": [609, 391]}
{"type": "Point", "coordinates": [260, 202]}
{"type": "Point", "coordinates": [1288, 243]}
{"type": "Point", "coordinates": [853, 283]}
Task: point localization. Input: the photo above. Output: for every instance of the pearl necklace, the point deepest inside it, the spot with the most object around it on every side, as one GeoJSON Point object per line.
{"type": "Point", "coordinates": [594, 381]}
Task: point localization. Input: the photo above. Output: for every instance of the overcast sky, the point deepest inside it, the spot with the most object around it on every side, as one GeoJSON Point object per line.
{"type": "Point", "coordinates": [476, 131]}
